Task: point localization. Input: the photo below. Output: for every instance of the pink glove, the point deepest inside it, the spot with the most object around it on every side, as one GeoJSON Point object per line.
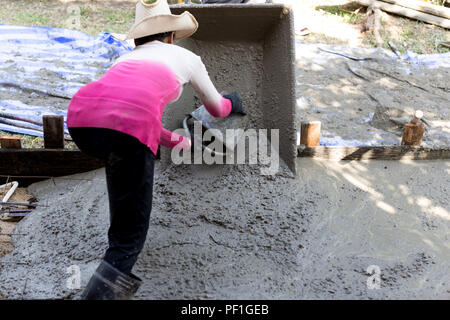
{"type": "Point", "coordinates": [184, 144]}
{"type": "Point", "coordinates": [172, 140]}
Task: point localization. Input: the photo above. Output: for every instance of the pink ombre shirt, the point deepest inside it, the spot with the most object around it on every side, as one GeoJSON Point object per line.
{"type": "Point", "coordinates": [132, 95]}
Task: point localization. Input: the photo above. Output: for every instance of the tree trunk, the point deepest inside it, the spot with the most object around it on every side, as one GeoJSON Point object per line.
{"type": "Point", "coordinates": [410, 13]}
{"type": "Point", "coordinates": [423, 6]}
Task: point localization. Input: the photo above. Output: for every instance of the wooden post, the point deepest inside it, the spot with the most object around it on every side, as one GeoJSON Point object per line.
{"type": "Point", "coordinates": [310, 133]}
{"type": "Point", "coordinates": [10, 142]}
{"type": "Point", "coordinates": [53, 131]}
{"type": "Point", "coordinates": [412, 134]}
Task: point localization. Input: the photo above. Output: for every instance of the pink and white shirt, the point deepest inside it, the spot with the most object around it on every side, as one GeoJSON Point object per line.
{"type": "Point", "coordinates": [133, 93]}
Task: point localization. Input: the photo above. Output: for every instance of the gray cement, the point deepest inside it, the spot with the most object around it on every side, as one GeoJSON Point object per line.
{"type": "Point", "coordinates": [226, 232]}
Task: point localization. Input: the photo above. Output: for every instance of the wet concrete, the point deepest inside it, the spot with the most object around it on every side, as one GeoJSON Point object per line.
{"type": "Point", "coordinates": [391, 214]}
{"type": "Point", "coordinates": [227, 232]}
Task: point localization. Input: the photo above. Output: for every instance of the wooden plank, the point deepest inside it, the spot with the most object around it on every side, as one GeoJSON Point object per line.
{"type": "Point", "coordinates": [439, 11]}
{"type": "Point", "coordinates": [10, 142]}
{"type": "Point", "coordinates": [410, 13]}
{"type": "Point", "coordinates": [37, 164]}
{"type": "Point", "coordinates": [53, 131]}
{"type": "Point", "coordinates": [338, 153]}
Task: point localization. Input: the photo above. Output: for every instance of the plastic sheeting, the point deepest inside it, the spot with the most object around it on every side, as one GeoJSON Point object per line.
{"type": "Point", "coordinates": [42, 68]}
{"type": "Point", "coordinates": [436, 60]}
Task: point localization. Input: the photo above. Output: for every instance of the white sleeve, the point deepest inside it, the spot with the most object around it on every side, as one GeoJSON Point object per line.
{"type": "Point", "coordinates": [213, 101]}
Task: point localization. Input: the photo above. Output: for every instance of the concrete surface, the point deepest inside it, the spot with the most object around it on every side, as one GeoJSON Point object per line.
{"type": "Point", "coordinates": [395, 215]}
{"type": "Point", "coordinates": [226, 232]}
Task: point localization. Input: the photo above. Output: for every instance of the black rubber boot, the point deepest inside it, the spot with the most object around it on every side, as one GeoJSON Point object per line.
{"type": "Point", "coordinates": [108, 283]}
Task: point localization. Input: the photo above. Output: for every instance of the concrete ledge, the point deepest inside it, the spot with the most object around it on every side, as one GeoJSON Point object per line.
{"type": "Point", "coordinates": [233, 21]}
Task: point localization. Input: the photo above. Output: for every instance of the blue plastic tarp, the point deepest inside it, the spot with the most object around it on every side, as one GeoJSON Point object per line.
{"type": "Point", "coordinates": [435, 60]}
{"type": "Point", "coordinates": [41, 69]}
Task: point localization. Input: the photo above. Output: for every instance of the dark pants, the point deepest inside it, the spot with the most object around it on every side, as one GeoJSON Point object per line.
{"type": "Point", "coordinates": [129, 167]}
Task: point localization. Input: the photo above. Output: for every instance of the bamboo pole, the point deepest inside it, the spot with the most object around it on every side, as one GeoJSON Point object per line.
{"type": "Point", "coordinates": [410, 13]}
{"type": "Point", "coordinates": [15, 117]}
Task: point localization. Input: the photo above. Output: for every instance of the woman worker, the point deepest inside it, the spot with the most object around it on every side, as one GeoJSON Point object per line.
{"type": "Point", "coordinates": [118, 119]}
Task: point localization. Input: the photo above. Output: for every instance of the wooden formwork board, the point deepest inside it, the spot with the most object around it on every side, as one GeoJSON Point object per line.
{"type": "Point", "coordinates": [30, 165]}
{"type": "Point", "coordinates": [374, 153]}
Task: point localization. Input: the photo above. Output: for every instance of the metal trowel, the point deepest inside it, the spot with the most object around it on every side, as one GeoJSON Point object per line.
{"type": "Point", "coordinates": [233, 121]}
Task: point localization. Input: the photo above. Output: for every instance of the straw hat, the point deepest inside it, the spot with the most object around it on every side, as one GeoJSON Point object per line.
{"type": "Point", "coordinates": [154, 18]}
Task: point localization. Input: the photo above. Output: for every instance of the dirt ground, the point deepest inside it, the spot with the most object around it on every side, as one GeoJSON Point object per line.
{"type": "Point", "coordinates": [95, 16]}
{"type": "Point", "coordinates": [344, 22]}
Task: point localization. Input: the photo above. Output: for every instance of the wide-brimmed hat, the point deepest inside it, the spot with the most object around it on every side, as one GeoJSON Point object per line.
{"type": "Point", "coordinates": [153, 18]}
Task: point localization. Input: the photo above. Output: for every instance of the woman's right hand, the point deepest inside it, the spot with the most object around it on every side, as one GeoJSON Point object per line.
{"type": "Point", "coordinates": [236, 103]}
